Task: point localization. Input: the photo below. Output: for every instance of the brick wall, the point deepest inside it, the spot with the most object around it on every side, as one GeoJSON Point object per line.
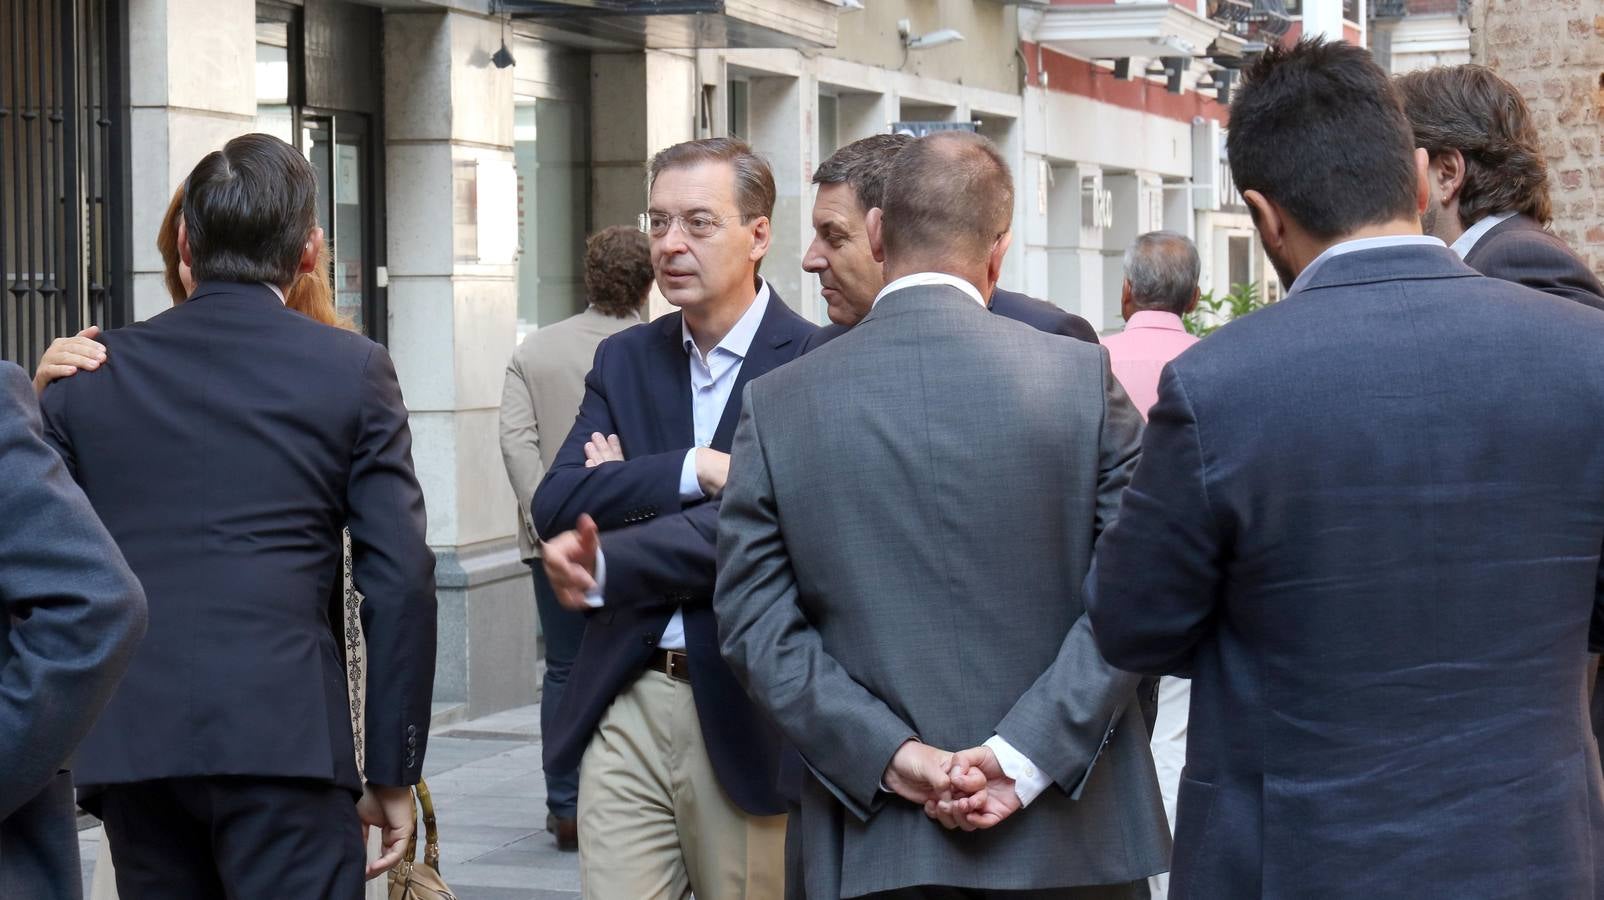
{"type": "Point", "coordinates": [1553, 51]}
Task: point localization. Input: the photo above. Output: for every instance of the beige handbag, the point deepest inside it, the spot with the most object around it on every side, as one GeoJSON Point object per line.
{"type": "Point", "coordinates": [412, 880]}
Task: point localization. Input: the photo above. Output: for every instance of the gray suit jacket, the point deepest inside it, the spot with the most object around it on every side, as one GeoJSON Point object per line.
{"type": "Point", "coordinates": [72, 614]}
{"type": "Point", "coordinates": [909, 516]}
{"type": "Point", "coordinates": [539, 399]}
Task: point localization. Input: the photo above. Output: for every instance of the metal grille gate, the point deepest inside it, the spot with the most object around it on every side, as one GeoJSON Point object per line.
{"type": "Point", "coordinates": [64, 249]}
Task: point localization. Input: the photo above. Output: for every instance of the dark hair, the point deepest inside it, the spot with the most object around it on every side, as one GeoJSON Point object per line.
{"type": "Point", "coordinates": [950, 192]}
{"type": "Point", "coordinates": [754, 181]}
{"type": "Point", "coordinates": [1162, 269]}
{"type": "Point", "coordinates": [864, 165]}
{"type": "Point", "coordinates": [1470, 109]}
{"type": "Point", "coordinates": [1318, 129]}
{"type": "Point", "coordinates": [618, 270]}
{"type": "Point", "coordinates": [248, 209]}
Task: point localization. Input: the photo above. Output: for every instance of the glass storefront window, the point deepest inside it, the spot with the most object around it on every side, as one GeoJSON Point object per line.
{"type": "Point", "coordinates": [273, 113]}
{"type": "Point", "coordinates": [553, 209]}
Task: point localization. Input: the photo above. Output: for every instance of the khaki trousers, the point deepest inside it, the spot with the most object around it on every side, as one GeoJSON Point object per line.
{"type": "Point", "coordinates": [654, 824]}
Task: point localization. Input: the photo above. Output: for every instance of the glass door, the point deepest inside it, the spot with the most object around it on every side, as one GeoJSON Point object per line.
{"type": "Point", "coordinates": [338, 147]}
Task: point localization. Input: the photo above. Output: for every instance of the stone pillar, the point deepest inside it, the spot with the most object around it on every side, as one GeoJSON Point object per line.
{"type": "Point", "coordinates": [783, 111]}
{"type": "Point", "coordinates": [192, 87]}
{"type": "Point", "coordinates": [1138, 207]}
{"type": "Point", "coordinates": [1554, 53]}
{"type": "Point", "coordinates": [453, 320]}
{"type": "Point", "coordinates": [642, 102]}
{"type": "Point", "coordinates": [862, 115]}
{"type": "Point", "coordinates": [1068, 267]}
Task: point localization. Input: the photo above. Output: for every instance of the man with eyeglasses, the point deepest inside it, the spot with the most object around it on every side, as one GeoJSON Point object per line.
{"type": "Point", "coordinates": [677, 780]}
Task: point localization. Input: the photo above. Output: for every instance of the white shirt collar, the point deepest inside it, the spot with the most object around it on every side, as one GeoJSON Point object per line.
{"type": "Point", "coordinates": [277, 291]}
{"type": "Point", "coordinates": [919, 279]}
{"type": "Point", "coordinates": [739, 339]}
{"type": "Point", "coordinates": [1354, 246]}
{"type": "Point", "coordinates": [1479, 230]}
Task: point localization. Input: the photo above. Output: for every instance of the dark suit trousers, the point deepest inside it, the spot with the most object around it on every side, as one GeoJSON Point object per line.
{"type": "Point", "coordinates": [1133, 891]}
{"type": "Point", "coordinates": [233, 839]}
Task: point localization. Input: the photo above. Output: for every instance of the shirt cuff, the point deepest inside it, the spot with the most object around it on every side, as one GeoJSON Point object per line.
{"type": "Point", "coordinates": [1029, 781]}
{"type": "Point", "coordinates": [690, 488]}
{"type": "Point", "coordinates": [593, 597]}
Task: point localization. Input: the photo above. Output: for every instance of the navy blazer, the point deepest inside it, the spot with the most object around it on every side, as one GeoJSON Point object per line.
{"type": "Point", "coordinates": [225, 444]}
{"type": "Point", "coordinates": [71, 613]}
{"type": "Point", "coordinates": [639, 389]}
{"type": "Point", "coordinates": [1368, 520]}
{"type": "Point", "coordinates": [1519, 249]}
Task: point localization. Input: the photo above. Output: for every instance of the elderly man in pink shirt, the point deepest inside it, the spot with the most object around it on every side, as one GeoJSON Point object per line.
{"type": "Point", "coordinates": [1161, 271]}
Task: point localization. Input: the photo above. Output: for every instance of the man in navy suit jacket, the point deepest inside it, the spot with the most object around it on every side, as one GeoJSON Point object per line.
{"type": "Point", "coordinates": [1368, 522]}
{"type": "Point", "coordinates": [670, 391]}
{"type": "Point", "coordinates": [1489, 180]}
{"type": "Point", "coordinates": [71, 614]}
{"type": "Point", "coordinates": [225, 446]}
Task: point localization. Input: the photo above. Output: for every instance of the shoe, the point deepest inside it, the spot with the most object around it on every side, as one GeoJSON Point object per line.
{"type": "Point", "coordinates": [566, 830]}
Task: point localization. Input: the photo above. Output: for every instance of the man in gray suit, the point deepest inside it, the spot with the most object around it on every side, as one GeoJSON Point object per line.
{"type": "Point", "coordinates": [539, 399]}
{"type": "Point", "coordinates": [73, 614]}
{"type": "Point", "coordinates": [872, 603]}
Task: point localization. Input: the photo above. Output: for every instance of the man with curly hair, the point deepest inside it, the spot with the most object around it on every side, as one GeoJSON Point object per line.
{"type": "Point", "coordinates": [545, 382]}
{"type": "Point", "coordinates": [1489, 181]}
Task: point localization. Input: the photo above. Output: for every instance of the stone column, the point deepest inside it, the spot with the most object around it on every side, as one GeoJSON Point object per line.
{"type": "Point", "coordinates": [192, 87]}
{"type": "Point", "coordinates": [1554, 53]}
{"type": "Point", "coordinates": [642, 102]}
{"type": "Point", "coordinates": [453, 319]}
{"type": "Point", "coordinates": [784, 112]}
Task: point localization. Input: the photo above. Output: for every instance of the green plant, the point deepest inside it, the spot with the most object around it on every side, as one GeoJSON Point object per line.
{"type": "Point", "coordinates": [1211, 312]}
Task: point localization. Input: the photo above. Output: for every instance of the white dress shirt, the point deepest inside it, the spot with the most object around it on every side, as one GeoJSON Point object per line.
{"type": "Point", "coordinates": [1355, 246]}
{"type": "Point", "coordinates": [277, 291]}
{"type": "Point", "coordinates": [1474, 233]}
{"type": "Point", "coordinates": [923, 278]}
{"type": "Point", "coordinates": [712, 381]}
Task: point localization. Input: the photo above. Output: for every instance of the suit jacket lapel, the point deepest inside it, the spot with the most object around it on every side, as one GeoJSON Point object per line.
{"type": "Point", "coordinates": [766, 353]}
{"type": "Point", "coordinates": [670, 386]}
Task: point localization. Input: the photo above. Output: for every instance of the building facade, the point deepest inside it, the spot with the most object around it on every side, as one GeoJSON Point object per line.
{"type": "Point", "coordinates": [466, 148]}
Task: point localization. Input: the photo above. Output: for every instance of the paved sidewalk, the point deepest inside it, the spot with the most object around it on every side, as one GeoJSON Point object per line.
{"type": "Point", "coordinates": [490, 801]}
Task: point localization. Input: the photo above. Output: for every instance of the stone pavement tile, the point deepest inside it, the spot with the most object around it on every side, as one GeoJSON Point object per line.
{"type": "Point", "coordinates": [491, 893]}
{"type": "Point", "coordinates": [471, 875]}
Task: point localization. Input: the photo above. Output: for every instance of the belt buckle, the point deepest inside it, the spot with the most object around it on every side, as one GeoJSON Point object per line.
{"type": "Point", "coordinates": [676, 665]}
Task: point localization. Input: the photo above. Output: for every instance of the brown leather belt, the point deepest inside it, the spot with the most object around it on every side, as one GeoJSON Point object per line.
{"type": "Point", "coordinates": [673, 663]}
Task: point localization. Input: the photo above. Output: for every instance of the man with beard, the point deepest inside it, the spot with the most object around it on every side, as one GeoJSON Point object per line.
{"type": "Point", "coordinates": [1489, 181]}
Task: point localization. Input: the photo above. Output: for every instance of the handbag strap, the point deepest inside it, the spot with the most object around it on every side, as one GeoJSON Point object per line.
{"type": "Point", "coordinates": [431, 832]}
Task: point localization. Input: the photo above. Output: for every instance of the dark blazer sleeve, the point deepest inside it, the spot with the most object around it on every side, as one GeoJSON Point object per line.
{"type": "Point", "coordinates": [75, 611]}
{"type": "Point", "coordinates": [1078, 328]}
{"type": "Point", "coordinates": [846, 734]}
{"type": "Point", "coordinates": [1157, 573]}
{"type": "Point", "coordinates": [393, 567]}
{"type": "Point", "coordinates": [615, 494]}
{"type": "Point", "coordinates": [1540, 261]}
{"type": "Point", "coordinates": [670, 561]}
{"type": "Point", "coordinates": [1065, 719]}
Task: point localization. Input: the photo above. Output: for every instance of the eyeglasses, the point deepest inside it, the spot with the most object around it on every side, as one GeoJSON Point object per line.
{"type": "Point", "coordinates": [697, 225]}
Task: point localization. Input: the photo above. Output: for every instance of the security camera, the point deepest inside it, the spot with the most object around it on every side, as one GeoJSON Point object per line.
{"type": "Point", "coordinates": [933, 39]}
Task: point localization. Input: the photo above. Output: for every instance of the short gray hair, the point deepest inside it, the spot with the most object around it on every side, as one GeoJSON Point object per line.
{"type": "Point", "coordinates": [1162, 268]}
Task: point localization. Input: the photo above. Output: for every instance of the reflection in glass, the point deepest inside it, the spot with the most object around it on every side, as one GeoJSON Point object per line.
{"type": "Point", "coordinates": [273, 113]}
{"type": "Point", "coordinates": [551, 155]}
